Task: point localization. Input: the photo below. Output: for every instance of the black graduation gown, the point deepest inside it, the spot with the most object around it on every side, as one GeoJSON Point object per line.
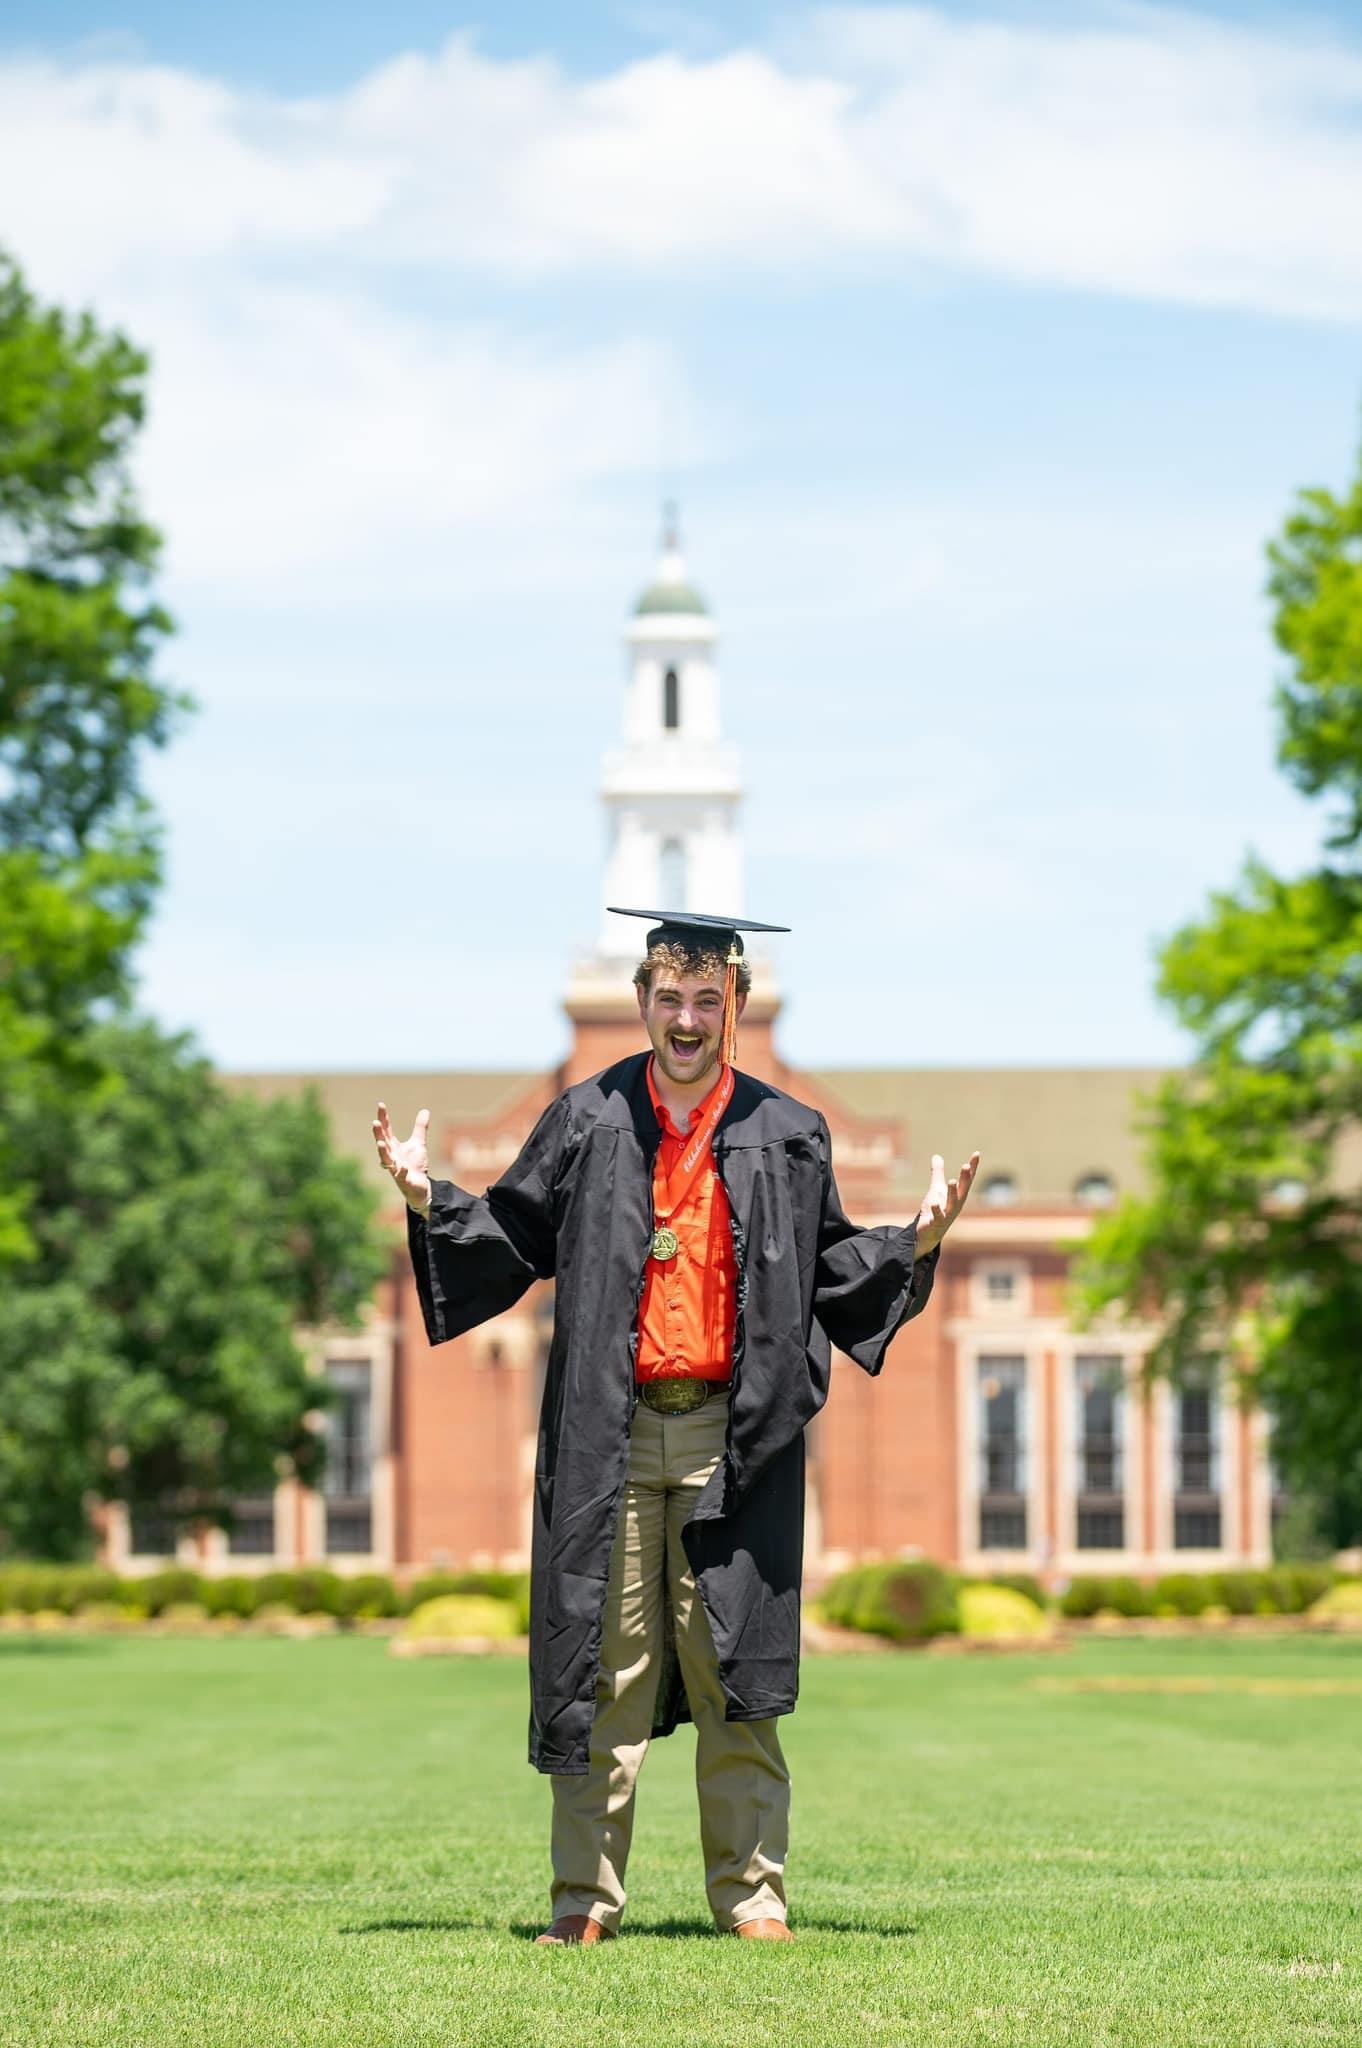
{"type": "Point", "coordinates": [576, 1207]}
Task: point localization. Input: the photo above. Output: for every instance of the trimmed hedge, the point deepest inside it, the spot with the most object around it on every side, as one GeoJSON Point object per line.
{"type": "Point", "coordinates": [452, 1616]}
{"type": "Point", "coordinates": [1296, 1587]}
{"type": "Point", "coordinates": [994, 1613]}
{"type": "Point", "coordinates": [71, 1589]}
{"type": "Point", "coordinates": [1342, 1602]}
{"type": "Point", "coordinates": [1115, 1595]}
{"type": "Point", "coordinates": [239, 1594]}
{"type": "Point", "coordinates": [1024, 1583]}
{"type": "Point", "coordinates": [309, 1590]}
{"type": "Point", "coordinates": [512, 1586]}
{"type": "Point", "coordinates": [174, 1587]}
{"type": "Point", "coordinates": [901, 1599]}
{"type": "Point", "coordinates": [905, 1601]}
{"type": "Point", "coordinates": [1183, 1593]}
{"type": "Point", "coordinates": [54, 1588]}
{"type": "Point", "coordinates": [370, 1596]}
{"type": "Point", "coordinates": [1285, 1589]}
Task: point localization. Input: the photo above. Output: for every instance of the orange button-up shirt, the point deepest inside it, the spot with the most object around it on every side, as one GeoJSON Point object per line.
{"type": "Point", "coordinates": [687, 1315]}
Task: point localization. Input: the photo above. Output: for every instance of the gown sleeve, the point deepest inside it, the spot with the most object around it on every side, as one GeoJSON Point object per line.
{"type": "Point", "coordinates": [475, 1255]}
{"type": "Point", "coordinates": [868, 1283]}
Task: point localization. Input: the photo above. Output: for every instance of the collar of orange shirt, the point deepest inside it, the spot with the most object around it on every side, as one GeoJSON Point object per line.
{"type": "Point", "coordinates": [664, 1115]}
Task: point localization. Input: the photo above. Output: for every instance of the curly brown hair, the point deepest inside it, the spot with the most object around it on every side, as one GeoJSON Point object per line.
{"type": "Point", "coordinates": [687, 962]}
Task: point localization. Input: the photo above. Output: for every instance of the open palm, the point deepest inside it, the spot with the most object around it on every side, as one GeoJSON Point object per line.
{"type": "Point", "coordinates": [943, 1201]}
{"type": "Point", "coordinates": [405, 1158]}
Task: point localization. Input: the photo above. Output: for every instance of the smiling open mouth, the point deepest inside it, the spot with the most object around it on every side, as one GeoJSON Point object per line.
{"type": "Point", "coordinates": [685, 1047]}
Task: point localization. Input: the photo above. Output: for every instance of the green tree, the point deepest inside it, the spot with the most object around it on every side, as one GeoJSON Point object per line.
{"type": "Point", "coordinates": [1249, 1244]}
{"type": "Point", "coordinates": [160, 1238]}
{"type": "Point", "coordinates": [148, 1352]}
{"type": "Point", "coordinates": [79, 634]}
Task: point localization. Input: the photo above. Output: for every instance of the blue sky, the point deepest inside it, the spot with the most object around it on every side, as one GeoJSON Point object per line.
{"type": "Point", "coordinates": [983, 346]}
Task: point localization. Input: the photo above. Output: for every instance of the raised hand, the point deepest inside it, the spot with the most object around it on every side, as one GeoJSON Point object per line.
{"type": "Point", "coordinates": [405, 1159]}
{"type": "Point", "coordinates": [943, 1202]}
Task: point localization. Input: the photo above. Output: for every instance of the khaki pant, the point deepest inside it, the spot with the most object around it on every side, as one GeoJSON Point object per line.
{"type": "Point", "coordinates": [740, 1774]}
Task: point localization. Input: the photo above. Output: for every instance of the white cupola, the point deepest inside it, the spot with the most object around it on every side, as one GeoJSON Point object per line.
{"type": "Point", "coordinates": [672, 790]}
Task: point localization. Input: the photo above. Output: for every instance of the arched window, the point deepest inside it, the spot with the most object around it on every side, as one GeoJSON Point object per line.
{"type": "Point", "coordinates": [1095, 1190]}
{"type": "Point", "coordinates": [671, 875]}
{"type": "Point", "coordinates": [1000, 1191]}
{"type": "Point", "coordinates": [671, 701]}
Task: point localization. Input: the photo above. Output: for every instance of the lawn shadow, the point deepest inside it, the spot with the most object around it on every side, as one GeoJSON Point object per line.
{"type": "Point", "coordinates": [885, 1930]}
{"type": "Point", "coordinates": [449, 1925]}
{"type": "Point", "coordinates": [699, 1929]}
{"type": "Point", "coordinates": [51, 1646]}
{"type": "Point", "coordinates": [696, 1929]}
{"type": "Point", "coordinates": [681, 1930]}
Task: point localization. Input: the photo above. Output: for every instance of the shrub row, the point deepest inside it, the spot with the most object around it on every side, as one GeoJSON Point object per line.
{"type": "Point", "coordinates": [66, 1589]}
{"type": "Point", "coordinates": [903, 1600]}
{"type": "Point", "coordinates": [910, 1600]}
{"type": "Point", "coordinates": [1285, 1589]}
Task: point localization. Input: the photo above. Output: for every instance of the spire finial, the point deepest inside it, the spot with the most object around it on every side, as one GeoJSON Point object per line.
{"type": "Point", "coordinates": [671, 525]}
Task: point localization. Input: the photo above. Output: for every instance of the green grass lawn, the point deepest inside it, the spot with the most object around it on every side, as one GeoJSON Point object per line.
{"type": "Point", "coordinates": [257, 1842]}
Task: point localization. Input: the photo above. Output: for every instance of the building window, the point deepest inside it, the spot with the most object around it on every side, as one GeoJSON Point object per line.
{"type": "Point", "coordinates": [999, 1288]}
{"type": "Point", "coordinates": [671, 701]}
{"type": "Point", "coordinates": [152, 1532]}
{"type": "Point", "coordinates": [1196, 1469]}
{"type": "Point", "coordinates": [1002, 1453]}
{"type": "Point", "coordinates": [1099, 1388]}
{"type": "Point", "coordinates": [1095, 1190]}
{"type": "Point", "coordinates": [252, 1531]}
{"type": "Point", "coordinates": [1000, 1190]}
{"type": "Point", "coordinates": [348, 1486]}
{"type": "Point", "coordinates": [671, 875]}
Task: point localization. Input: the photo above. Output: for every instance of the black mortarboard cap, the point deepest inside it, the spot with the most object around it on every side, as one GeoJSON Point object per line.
{"type": "Point", "coordinates": [695, 928]}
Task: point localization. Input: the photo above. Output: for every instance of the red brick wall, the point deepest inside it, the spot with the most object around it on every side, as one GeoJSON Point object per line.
{"type": "Point", "coordinates": [885, 1449]}
{"type": "Point", "coordinates": [463, 1413]}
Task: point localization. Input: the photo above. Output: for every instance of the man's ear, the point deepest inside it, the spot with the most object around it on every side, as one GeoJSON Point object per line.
{"type": "Point", "coordinates": [642, 995]}
{"type": "Point", "coordinates": [740, 1005]}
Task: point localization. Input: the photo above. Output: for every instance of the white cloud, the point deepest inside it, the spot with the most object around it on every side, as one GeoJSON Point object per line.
{"type": "Point", "coordinates": [111, 170]}
{"type": "Point", "coordinates": [1152, 152]}
{"type": "Point", "coordinates": [1146, 151]}
{"type": "Point", "coordinates": [312, 429]}
{"type": "Point", "coordinates": [664, 163]}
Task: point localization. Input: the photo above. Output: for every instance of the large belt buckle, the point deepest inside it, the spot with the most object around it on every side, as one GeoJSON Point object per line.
{"type": "Point", "coordinates": [674, 1397]}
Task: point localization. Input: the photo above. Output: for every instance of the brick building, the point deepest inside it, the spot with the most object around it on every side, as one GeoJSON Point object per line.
{"type": "Point", "coordinates": [997, 1437]}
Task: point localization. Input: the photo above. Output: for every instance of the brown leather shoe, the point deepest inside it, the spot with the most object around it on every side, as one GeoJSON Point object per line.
{"type": "Point", "coordinates": [574, 1930]}
{"type": "Point", "coordinates": [763, 1930]}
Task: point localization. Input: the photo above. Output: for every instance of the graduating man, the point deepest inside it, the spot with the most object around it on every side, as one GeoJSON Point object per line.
{"type": "Point", "coordinates": [703, 1267]}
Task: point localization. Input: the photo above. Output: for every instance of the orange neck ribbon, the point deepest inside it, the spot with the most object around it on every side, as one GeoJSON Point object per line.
{"type": "Point", "coordinates": [682, 1176]}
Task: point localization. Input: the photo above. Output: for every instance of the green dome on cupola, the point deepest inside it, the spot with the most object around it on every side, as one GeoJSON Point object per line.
{"type": "Point", "coordinates": [671, 591]}
{"type": "Point", "coordinates": [670, 597]}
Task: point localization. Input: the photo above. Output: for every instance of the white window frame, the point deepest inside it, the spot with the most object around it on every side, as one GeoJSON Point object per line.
{"type": "Point", "coordinates": [983, 1304]}
{"type": "Point", "coordinates": [1130, 1438]}
{"type": "Point", "coordinates": [1006, 1342]}
{"type": "Point", "coordinates": [1224, 1474]}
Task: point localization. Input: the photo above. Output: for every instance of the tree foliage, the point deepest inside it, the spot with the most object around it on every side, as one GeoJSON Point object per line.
{"type": "Point", "coordinates": [78, 701]}
{"type": "Point", "coordinates": [160, 1238]}
{"type": "Point", "coordinates": [148, 1350]}
{"type": "Point", "coordinates": [1249, 1245]}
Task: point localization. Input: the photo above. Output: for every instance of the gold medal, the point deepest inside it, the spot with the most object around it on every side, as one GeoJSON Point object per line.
{"type": "Point", "coordinates": [666, 1243]}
